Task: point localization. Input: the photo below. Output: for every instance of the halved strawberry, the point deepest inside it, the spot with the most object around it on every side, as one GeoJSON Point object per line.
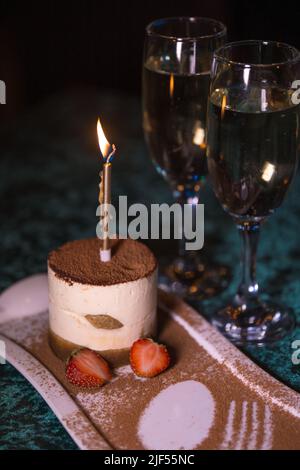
{"type": "Point", "coordinates": [86, 368]}
{"type": "Point", "coordinates": [148, 358]}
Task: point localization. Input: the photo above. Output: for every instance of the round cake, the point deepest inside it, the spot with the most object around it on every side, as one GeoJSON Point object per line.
{"type": "Point", "coordinates": [104, 306]}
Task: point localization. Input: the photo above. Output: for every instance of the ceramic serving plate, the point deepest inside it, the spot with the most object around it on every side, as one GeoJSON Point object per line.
{"type": "Point", "coordinates": [212, 396]}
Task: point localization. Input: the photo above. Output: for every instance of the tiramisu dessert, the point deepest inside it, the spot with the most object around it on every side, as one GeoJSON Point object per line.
{"type": "Point", "coordinates": [102, 306]}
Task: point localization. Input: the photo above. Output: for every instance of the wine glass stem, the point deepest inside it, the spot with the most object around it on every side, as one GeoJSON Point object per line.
{"type": "Point", "coordinates": [192, 201]}
{"type": "Point", "coordinates": [248, 288]}
{"type": "Point", "coordinates": [181, 246]}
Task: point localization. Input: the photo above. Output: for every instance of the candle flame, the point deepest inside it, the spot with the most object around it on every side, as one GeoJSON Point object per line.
{"type": "Point", "coordinates": [171, 85]}
{"type": "Point", "coordinates": [223, 105]}
{"type": "Point", "coordinates": [199, 135]}
{"type": "Point", "coordinates": [103, 142]}
{"type": "Point", "coordinates": [268, 171]}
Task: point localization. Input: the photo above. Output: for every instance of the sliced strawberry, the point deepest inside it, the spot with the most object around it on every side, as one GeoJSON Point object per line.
{"type": "Point", "coordinates": [86, 368]}
{"type": "Point", "coordinates": [148, 358]}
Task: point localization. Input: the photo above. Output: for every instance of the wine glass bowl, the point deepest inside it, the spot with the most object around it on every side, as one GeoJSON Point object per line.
{"type": "Point", "coordinates": [253, 141]}
{"type": "Point", "coordinates": [176, 80]}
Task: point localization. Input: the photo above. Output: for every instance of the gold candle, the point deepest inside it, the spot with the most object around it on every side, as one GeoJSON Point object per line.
{"type": "Point", "coordinates": [106, 201]}
{"type": "Point", "coordinates": [107, 152]}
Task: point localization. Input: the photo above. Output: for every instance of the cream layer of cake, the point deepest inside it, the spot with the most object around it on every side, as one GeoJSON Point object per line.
{"type": "Point", "coordinates": [102, 306]}
{"type": "Point", "coordinates": [128, 311]}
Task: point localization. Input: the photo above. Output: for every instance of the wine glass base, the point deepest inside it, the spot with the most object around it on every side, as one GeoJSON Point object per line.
{"type": "Point", "coordinates": [197, 284]}
{"type": "Point", "coordinates": [258, 325]}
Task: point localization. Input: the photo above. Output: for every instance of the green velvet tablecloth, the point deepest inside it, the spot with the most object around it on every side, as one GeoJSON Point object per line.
{"type": "Point", "coordinates": [49, 167]}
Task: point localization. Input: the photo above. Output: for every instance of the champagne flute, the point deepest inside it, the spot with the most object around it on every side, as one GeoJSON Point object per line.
{"type": "Point", "coordinates": [253, 143]}
{"type": "Point", "coordinates": [176, 79]}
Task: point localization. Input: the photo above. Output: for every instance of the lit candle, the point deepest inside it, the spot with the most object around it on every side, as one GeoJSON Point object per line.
{"type": "Point", "coordinates": [107, 152]}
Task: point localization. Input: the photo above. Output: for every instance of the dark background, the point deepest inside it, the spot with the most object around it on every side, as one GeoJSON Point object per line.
{"type": "Point", "coordinates": [49, 46]}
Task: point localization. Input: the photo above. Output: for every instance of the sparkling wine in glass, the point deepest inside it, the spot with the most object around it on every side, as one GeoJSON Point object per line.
{"type": "Point", "coordinates": [253, 142]}
{"type": "Point", "coordinates": [176, 80]}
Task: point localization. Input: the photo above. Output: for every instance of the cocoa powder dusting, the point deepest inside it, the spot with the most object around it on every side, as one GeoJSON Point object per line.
{"type": "Point", "coordinates": [243, 416]}
{"type": "Point", "coordinates": [79, 261]}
